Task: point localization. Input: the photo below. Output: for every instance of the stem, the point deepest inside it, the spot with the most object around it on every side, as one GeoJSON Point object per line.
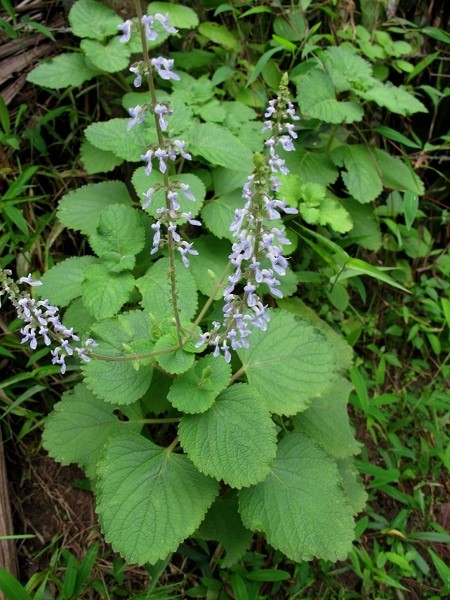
{"type": "Point", "coordinates": [238, 373]}
{"type": "Point", "coordinates": [137, 356]}
{"type": "Point", "coordinates": [151, 87]}
{"type": "Point", "coordinates": [172, 445]}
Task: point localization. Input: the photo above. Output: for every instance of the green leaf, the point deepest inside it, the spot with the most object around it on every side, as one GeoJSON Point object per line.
{"type": "Point", "coordinates": [118, 382]}
{"type": "Point", "coordinates": [326, 421]}
{"type": "Point", "coordinates": [361, 267]}
{"type": "Point", "coordinates": [223, 524]}
{"type": "Point", "coordinates": [396, 136]}
{"type": "Point", "coordinates": [97, 161]}
{"type": "Point", "coordinates": [65, 70]}
{"type": "Point", "coordinates": [142, 182]}
{"type": "Point", "coordinates": [353, 488]}
{"type": "Point", "coordinates": [313, 167]}
{"type": "Point", "coordinates": [150, 499]}
{"type": "Point", "coordinates": [120, 235]}
{"type": "Point", "coordinates": [300, 506]}
{"type": "Point", "coordinates": [177, 361]}
{"type": "Point", "coordinates": [395, 99]}
{"type": "Point", "coordinates": [347, 70]}
{"type": "Point", "coordinates": [219, 146]}
{"type": "Point", "coordinates": [292, 25]}
{"type": "Point", "coordinates": [195, 391]}
{"type": "Point", "coordinates": [234, 440]}
{"type": "Point", "coordinates": [410, 207]}
{"type": "Point", "coordinates": [12, 588]}
{"type": "Point", "coordinates": [320, 207]}
{"type": "Point", "coordinates": [366, 229]}
{"type": "Point", "coordinates": [361, 177]}
{"type": "Point", "coordinates": [397, 175]}
{"type": "Point", "coordinates": [81, 208]}
{"type": "Point", "coordinates": [212, 111]}
{"type": "Point", "coordinates": [90, 19]}
{"type": "Point", "coordinates": [156, 295]}
{"type": "Point", "coordinates": [78, 317]}
{"type": "Point", "coordinates": [79, 426]}
{"type": "Point", "coordinates": [180, 16]}
{"type": "Point", "coordinates": [62, 283]}
{"type": "Point", "coordinates": [219, 34]}
{"type": "Point", "coordinates": [343, 352]}
{"type": "Point", "coordinates": [111, 57]}
{"type": "Point", "coordinates": [113, 136]}
{"type": "Point", "coordinates": [209, 265]}
{"type": "Point", "coordinates": [289, 364]}
{"type": "Point", "coordinates": [105, 293]}
{"type": "Point", "coordinates": [218, 214]}
{"type": "Point", "coordinates": [316, 97]}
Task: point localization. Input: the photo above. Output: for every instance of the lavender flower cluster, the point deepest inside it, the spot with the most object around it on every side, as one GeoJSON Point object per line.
{"type": "Point", "coordinates": [42, 319]}
{"type": "Point", "coordinates": [165, 227]}
{"type": "Point", "coordinates": [257, 254]}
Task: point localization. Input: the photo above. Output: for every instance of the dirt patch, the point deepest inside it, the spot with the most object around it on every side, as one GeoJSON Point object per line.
{"type": "Point", "coordinates": [47, 505]}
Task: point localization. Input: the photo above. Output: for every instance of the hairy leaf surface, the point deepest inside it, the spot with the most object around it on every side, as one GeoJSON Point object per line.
{"type": "Point", "coordinates": [91, 19]}
{"type": "Point", "coordinates": [62, 283]}
{"type": "Point", "coordinates": [218, 214]}
{"type": "Point", "coordinates": [219, 146]}
{"type": "Point", "coordinates": [113, 135]}
{"type": "Point", "coordinates": [317, 99]}
{"type": "Point", "coordinates": [119, 236]}
{"type": "Point", "coordinates": [79, 426]}
{"type": "Point", "coordinates": [196, 390]}
{"type": "Point", "coordinates": [105, 293]}
{"type": "Point", "coordinates": [80, 209]}
{"type": "Point", "coordinates": [67, 69]}
{"type": "Point", "coordinates": [119, 382]}
{"type": "Point", "coordinates": [289, 364]}
{"type": "Point", "coordinates": [326, 421]}
{"type": "Point", "coordinates": [150, 499]}
{"type": "Point", "coordinates": [223, 524]}
{"type": "Point", "coordinates": [234, 440]}
{"type": "Point", "coordinates": [353, 487]}
{"type": "Point", "coordinates": [111, 57]}
{"type": "Point", "coordinates": [300, 506]}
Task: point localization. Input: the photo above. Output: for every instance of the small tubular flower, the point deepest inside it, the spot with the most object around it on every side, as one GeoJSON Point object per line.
{"type": "Point", "coordinates": [163, 67]}
{"type": "Point", "coordinates": [125, 28]}
{"type": "Point", "coordinates": [41, 320]}
{"type": "Point", "coordinates": [257, 253]}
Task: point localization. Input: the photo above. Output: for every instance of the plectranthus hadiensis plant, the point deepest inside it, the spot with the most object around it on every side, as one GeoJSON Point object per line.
{"type": "Point", "coordinates": [211, 404]}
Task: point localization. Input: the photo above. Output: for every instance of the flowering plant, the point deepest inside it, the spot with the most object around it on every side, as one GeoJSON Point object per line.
{"type": "Point", "coordinates": [231, 417]}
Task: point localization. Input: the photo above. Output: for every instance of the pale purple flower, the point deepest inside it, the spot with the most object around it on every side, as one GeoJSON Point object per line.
{"type": "Point", "coordinates": [162, 155]}
{"type": "Point", "coordinates": [161, 110]}
{"type": "Point", "coordinates": [179, 145]}
{"type": "Point", "coordinates": [187, 193]}
{"type": "Point", "coordinates": [164, 67]}
{"type": "Point", "coordinates": [147, 21]}
{"type": "Point", "coordinates": [138, 116]}
{"type": "Point", "coordinates": [148, 198]}
{"type": "Point", "coordinates": [125, 27]}
{"type": "Point", "coordinates": [137, 71]}
{"type": "Point", "coordinates": [147, 157]}
{"type": "Point", "coordinates": [41, 320]}
{"type": "Point", "coordinates": [185, 248]}
{"type": "Point", "coordinates": [29, 279]}
{"type": "Point", "coordinates": [156, 237]}
{"type": "Point", "coordinates": [164, 21]}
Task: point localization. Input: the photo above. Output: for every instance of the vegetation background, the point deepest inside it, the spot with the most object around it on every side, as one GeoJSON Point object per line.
{"type": "Point", "coordinates": [396, 320]}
